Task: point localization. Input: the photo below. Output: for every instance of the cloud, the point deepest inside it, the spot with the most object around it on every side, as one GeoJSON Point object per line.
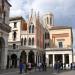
{"type": "Point", "coordinates": [64, 11]}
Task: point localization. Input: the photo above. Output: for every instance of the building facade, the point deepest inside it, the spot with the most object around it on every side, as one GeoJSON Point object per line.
{"type": "Point", "coordinates": [39, 40]}
{"type": "Point", "coordinates": [58, 42]}
{"type": "Point", "coordinates": [25, 41]}
{"type": "Point", "coordinates": [4, 32]}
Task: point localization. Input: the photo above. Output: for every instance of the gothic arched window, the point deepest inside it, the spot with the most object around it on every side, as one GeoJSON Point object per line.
{"type": "Point", "coordinates": [33, 29]}
{"type": "Point", "coordinates": [21, 41]}
{"type": "Point", "coordinates": [29, 41]}
{"type": "Point", "coordinates": [25, 41]}
{"type": "Point", "coordinates": [32, 41]}
{"type": "Point", "coordinates": [30, 29]}
{"type": "Point", "coordinates": [51, 21]}
{"type": "Point", "coordinates": [47, 21]}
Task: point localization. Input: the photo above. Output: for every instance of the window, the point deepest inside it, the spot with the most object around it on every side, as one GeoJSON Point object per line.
{"type": "Point", "coordinates": [60, 44]}
{"type": "Point", "coordinates": [25, 41]}
{"type": "Point", "coordinates": [14, 46]}
{"type": "Point", "coordinates": [47, 20]}
{"type": "Point", "coordinates": [46, 35]}
{"type": "Point", "coordinates": [14, 35]}
{"type": "Point", "coordinates": [33, 29]}
{"type": "Point", "coordinates": [51, 21]}
{"type": "Point", "coordinates": [21, 41]}
{"type": "Point", "coordinates": [29, 41]}
{"type": "Point", "coordinates": [29, 29]}
{"type": "Point", "coordinates": [15, 24]}
{"type": "Point", "coordinates": [32, 41]}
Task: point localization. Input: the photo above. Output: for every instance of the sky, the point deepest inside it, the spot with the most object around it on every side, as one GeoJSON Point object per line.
{"type": "Point", "coordinates": [63, 10]}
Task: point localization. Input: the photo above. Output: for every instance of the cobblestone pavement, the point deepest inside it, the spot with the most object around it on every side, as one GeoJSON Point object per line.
{"type": "Point", "coordinates": [33, 72]}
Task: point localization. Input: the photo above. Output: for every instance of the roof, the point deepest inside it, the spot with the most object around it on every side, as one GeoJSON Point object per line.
{"type": "Point", "coordinates": [60, 27]}
{"type": "Point", "coordinates": [8, 3]}
{"type": "Point", "coordinates": [16, 18]}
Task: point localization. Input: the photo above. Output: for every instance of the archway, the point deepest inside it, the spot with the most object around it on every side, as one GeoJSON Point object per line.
{"type": "Point", "coordinates": [23, 56]}
{"type": "Point", "coordinates": [31, 57]}
{"type": "Point", "coordinates": [14, 60]}
{"type": "Point", "coordinates": [2, 48]}
{"type": "Point", "coordinates": [58, 57]}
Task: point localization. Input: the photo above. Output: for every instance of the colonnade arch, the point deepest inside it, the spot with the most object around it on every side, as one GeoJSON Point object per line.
{"type": "Point", "coordinates": [14, 60]}
{"type": "Point", "coordinates": [2, 48]}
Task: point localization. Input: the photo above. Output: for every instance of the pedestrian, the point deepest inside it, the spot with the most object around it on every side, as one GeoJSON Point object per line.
{"type": "Point", "coordinates": [21, 66]}
{"type": "Point", "coordinates": [45, 67]}
{"type": "Point", "coordinates": [71, 66]}
{"type": "Point", "coordinates": [55, 66]}
{"type": "Point", "coordinates": [39, 66]}
{"type": "Point", "coordinates": [64, 66]}
{"type": "Point", "coordinates": [35, 66]}
{"type": "Point", "coordinates": [25, 67]}
{"type": "Point", "coordinates": [29, 67]}
{"type": "Point", "coordinates": [58, 66]}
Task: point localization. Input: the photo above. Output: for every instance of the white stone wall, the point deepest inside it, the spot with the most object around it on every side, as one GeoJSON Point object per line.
{"type": "Point", "coordinates": [74, 57]}
{"type": "Point", "coordinates": [7, 9]}
{"type": "Point", "coordinates": [17, 29]}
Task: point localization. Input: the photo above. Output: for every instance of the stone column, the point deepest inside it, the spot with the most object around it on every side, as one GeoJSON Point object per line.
{"type": "Point", "coordinates": [53, 59]}
{"type": "Point", "coordinates": [27, 56]}
{"type": "Point", "coordinates": [47, 60]}
{"type": "Point", "coordinates": [39, 58]}
{"type": "Point", "coordinates": [17, 62]}
{"type": "Point", "coordinates": [63, 58]}
{"type": "Point", "coordinates": [35, 58]}
{"type": "Point", "coordinates": [70, 58]}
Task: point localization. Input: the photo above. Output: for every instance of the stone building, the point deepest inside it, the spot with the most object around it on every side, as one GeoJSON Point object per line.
{"type": "Point", "coordinates": [39, 40]}
{"type": "Point", "coordinates": [4, 32]}
{"type": "Point", "coordinates": [25, 40]}
{"type": "Point", "coordinates": [58, 42]}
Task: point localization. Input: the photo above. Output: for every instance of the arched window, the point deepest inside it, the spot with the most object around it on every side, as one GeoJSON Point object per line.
{"type": "Point", "coordinates": [30, 29]}
{"type": "Point", "coordinates": [47, 21]}
{"type": "Point", "coordinates": [33, 29]}
{"type": "Point", "coordinates": [25, 41]}
{"type": "Point", "coordinates": [32, 41]}
{"type": "Point", "coordinates": [14, 35]}
{"type": "Point", "coordinates": [31, 57]}
{"type": "Point", "coordinates": [21, 41]}
{"type": "Point", "coordinates": [51, 21]}
{"type": "Point", "coordinates": [23, 56]}
{"type": "Point", "coordinates": [29, 41]}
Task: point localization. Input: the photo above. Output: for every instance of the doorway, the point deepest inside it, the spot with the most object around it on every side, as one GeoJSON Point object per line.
{"type": "Point", "coordinates": [14, 60]}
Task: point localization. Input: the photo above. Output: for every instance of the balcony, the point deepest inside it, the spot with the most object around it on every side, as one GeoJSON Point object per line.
{"type": "Point", "coordinates": [27, 47]}
{"type": "Point", "coordinates": [58, 49]}
{"type": "Point", "coordinates": [10, 47]}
